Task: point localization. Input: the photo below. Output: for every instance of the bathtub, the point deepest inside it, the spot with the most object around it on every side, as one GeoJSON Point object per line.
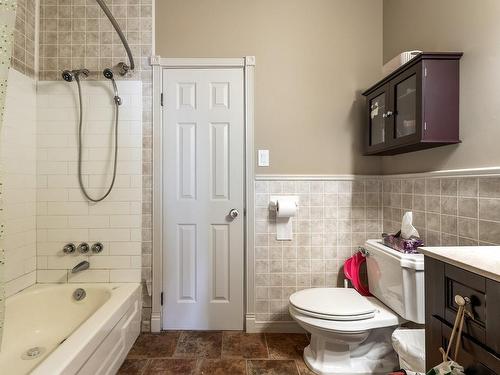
{"type": "Point", "coordinates": [48, 332]}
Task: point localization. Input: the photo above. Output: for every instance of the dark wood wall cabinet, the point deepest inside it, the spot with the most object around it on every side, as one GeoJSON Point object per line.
{"type": "Point", "coordinates": [415, 107]}
{"type": "Point", "coordinates": [480, 344]}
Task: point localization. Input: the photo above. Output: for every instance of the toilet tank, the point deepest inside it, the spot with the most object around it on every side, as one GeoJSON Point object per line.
{"type": "Point", "coordinates": [397, 279]}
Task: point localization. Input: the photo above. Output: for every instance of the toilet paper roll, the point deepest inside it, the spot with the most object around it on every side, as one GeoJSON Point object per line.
{"type": "Point", "coordinates": [286, 208]}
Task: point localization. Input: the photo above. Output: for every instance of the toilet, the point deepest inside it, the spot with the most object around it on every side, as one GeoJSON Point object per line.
{"type": "Point", "coordinates": [350, 333]}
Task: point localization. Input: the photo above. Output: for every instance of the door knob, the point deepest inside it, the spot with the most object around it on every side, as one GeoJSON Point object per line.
{"type": "Point", "coordinates": [234, 213]}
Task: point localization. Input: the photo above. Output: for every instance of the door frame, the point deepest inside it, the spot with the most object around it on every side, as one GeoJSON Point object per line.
{"type": "Point", "coordinates": [247, 64]}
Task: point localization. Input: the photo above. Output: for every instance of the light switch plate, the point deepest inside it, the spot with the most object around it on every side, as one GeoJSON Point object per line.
{"type": "Point", "coordinates": [263, 158]}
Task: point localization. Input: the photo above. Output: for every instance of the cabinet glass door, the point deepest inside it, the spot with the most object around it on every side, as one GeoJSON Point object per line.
{"type": "Point", "coordinates": [406, 107]}
{"type": "Point", "coordinates": [377, 120]}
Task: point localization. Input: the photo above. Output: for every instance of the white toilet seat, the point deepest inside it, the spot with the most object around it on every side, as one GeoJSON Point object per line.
{"type": "Point", "coordinates": [383, 317]}
{"type": "Point", "coordinates": [344, 304]}
{"type": "Point", "coordinates": [334, 317]}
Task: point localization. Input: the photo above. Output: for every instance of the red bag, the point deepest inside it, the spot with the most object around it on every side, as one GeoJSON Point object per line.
{"type": "Point", "coordinates": [352, 267]}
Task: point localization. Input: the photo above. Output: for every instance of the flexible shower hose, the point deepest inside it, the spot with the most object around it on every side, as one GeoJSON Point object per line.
{"type": "Point", "coordinates": [80, 150]}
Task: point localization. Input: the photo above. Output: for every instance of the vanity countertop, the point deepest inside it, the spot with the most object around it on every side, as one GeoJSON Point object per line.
{"type": "Point", "coordinates": [482, 260]}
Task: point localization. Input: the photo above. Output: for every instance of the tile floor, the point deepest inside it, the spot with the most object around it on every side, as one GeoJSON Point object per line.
{"type": "Point", "coordinates": [215, 352]}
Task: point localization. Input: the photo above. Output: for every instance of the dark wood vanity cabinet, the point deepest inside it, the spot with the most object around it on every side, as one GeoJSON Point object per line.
{"type": "Point", "coordinates": [414, 107]}
{"type": "Point", "coordinates": [480, 345]}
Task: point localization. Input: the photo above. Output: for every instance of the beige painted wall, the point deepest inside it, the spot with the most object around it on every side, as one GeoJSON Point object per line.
{"type": "Point", "coordinates": [313, 59]}
{"type": "Point", "coordinates": [453, 25]}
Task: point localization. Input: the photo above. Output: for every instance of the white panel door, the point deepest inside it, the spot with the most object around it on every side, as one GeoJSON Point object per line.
{"type": "Point", "coordinates": [203, 159]}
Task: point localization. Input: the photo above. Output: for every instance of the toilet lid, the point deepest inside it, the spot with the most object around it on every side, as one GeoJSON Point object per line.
{"type": "Point", "coordinates": [333, 303]}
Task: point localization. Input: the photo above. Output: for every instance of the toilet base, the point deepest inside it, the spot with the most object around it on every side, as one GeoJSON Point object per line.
{"type": "Point", "coordinates": [371, 354]}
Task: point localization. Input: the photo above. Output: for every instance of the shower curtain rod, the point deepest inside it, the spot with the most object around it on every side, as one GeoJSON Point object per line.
{"type": "Point", "coordinates": [122, 66]}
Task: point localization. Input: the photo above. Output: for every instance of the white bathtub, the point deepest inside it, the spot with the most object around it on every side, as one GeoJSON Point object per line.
{"type": "Point", "coordinates": [91, 336]}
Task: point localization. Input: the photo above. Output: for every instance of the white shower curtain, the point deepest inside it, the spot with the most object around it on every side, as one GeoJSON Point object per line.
{"type": "Point", "coordinates": [7, 22]}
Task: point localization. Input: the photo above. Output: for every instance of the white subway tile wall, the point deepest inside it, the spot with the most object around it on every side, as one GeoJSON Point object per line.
{"type": "Point", "coordinates": [18, 155]}
{"type": "Point", "coordinates": [63, 214]}
{"type": "Point", "coordinates": [448, 211]}
{"type": "Point", "coordinates": [334, 218]}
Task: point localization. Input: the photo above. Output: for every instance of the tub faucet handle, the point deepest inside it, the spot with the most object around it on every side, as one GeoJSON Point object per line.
{"type": "Point", "coordinates": [69, 248]}
{"type": "Point", "coordinates": [83, 248]}
{"type": "Point", "coordinates": [97, 247]}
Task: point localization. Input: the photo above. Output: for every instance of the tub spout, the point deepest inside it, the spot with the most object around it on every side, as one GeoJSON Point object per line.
{"type": "Point", "coordinates": [82, 266]}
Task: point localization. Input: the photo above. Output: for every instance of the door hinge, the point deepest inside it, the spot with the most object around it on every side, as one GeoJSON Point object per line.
{"type": "Point", "coordinates": [425, 126]}
{"type": "Point", "coordinates": [161, 99]}
{"type": "Point", "coordinates": [425, 72]}
{"type": "Point", "coordinates": [161, 298]}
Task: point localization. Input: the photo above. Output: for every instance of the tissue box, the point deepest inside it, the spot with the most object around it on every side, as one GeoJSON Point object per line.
{"type": "Point", "coordinates": [400, 244]}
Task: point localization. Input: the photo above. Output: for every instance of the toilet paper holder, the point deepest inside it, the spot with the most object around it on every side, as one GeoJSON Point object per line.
{"type": "Point", "coordinates": [283, 215]}
{"type": "Point", "coordinates": [273, 201]}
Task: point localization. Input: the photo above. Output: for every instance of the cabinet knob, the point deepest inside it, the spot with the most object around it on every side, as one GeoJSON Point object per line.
{"type": "Point", "coordinates": [462, 301]}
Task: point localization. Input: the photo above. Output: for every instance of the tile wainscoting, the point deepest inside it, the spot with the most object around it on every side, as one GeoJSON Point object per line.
{"type": "Point", "coordinates": [449, 210]}
{"type": "Point", "coordinates": [334, 217]}
{"type": "Point", "coordinates": [337, 214]}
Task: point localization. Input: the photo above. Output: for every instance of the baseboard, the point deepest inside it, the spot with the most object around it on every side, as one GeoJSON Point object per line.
{"type": "Point", "coordinates": [155, 322]}
{"type": "Point", "coordinates": [252, 326]}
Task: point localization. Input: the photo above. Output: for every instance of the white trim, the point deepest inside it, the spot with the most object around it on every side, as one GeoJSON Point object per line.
{"type": "Point", "coordinates": [154, 60]}
{"type": "Point", "coordinates": [449, 173]}
{"type": "Point", "coordinates": [188, 63]}
{"type": "Point", "coordinates": [249, 289]}
{"type": "Point", "coordinates": [156, 321]}
{"type": "Point", "coordinates": [313, 177]}
{"type": "Point", "coordinates": [158, 63]}
{"type": "Point", "coordinates": [252, 326]}
{"type": "Point", "coordinates": [157, 256]}
{"type": "Point", "coordinates": [349, 177]}
{"type": "Point", "coordinates": [250, 60]}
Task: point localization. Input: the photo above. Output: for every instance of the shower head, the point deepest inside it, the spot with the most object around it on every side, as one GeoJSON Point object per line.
{"type": "Point", "coordinates": [108, 73]}
{"type": "Point", "coordinates": [70, 75]}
